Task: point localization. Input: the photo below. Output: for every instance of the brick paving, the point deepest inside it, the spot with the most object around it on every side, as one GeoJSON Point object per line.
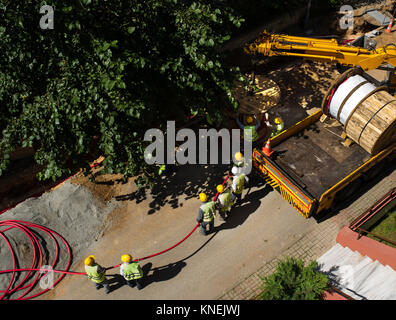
{"type": "Point", "coordinates": [315, 242]}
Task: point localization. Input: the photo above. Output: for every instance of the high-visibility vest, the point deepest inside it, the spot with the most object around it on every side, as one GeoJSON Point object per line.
{"type": "Point", "coordinates": [132, 271]}
{"type": "Point", "coordinates": [226, 200]}
{"type": "Point", "coordinates": [277, 129]}
{"type": "Point", "coordinates": [250, 133]}
{"type": "Point", "coordinates": [240, 183]}
{"type": "Point", "coordinates": [93, 274]}
{"type": "Point", "coordinates": [240, 163]}
{"type": "Point", "coordinates": [209, 211]}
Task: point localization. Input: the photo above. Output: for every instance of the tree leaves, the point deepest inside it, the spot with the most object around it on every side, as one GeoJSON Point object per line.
{"type": "Point", "coordinates": [108, 72]}
{"type": "Point", "coordinates": [294, 281]}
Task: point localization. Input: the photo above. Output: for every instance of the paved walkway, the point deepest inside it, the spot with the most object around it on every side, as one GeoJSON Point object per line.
{"type": "Point", "coordinates": [314, 243]}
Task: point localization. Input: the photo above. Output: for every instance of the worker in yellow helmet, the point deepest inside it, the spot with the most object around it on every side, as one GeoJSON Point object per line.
{"type": "Point", "coordinates": [250, 129]}
{"type": "Point", "coordinates": [239, 160]}
{"type": "Point", "coordinates": [131, 271]}
{"type": "Point", "coordinates": [96, 273]}
{"type": "Point", "coordinates": [206, 214]}
{"type": "Point", "coordinates": [279, 126]}
{"type": "Point", "coordinates": [224, 201]}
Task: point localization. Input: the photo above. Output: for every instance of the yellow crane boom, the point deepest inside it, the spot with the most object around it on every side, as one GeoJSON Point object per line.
{"type": "Point", "coordinates": [325, 50]}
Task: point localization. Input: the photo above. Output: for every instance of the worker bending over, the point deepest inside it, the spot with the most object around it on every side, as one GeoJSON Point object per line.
{"type": "Point", "coordinates": [224, 201]}
{"type": "Point", "coordinates": [131, 271]}
{"type": "Point", "coordinates": [238, 184]}
{"type": "Point", "coordinates": [96, 273]}
{"type": "Point", "coordinates": [206, 214]}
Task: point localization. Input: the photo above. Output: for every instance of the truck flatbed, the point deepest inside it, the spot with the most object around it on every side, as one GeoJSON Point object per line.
{"type": "Point", "coordinates": [316, 158]}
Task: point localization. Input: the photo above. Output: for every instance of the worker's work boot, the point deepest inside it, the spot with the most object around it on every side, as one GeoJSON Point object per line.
{"type": "Point", "coordinates": [107, 288]}
{"type": "Point", "coordinates": [139, 285]}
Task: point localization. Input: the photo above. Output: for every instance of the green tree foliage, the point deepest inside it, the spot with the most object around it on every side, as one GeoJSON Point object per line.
{"type": "Point", "coordinates": [107, 72]}
{"type": "Point", "coordinates": [294, 281]}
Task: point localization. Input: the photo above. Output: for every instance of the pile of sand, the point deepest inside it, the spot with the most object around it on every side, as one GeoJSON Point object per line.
{"type": "Point", "coordinates": [71, 210]}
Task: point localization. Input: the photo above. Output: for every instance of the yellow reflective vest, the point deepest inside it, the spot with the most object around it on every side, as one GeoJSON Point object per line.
{"type": "Point", "coordinates": [250, 133]}
{"type": "Point", "coordinates": [209, 211]}
{"type": "Point", "coordinates": [132, 271]}
{"type": "Point", "coordinates": [239, 184]}
{"type": "Point", "coordinates": [225, 199]}
{"type": "Point", "coordinates": [94, 274]}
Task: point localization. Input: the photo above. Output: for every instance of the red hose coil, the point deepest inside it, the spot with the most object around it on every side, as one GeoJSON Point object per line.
{"type": "Point", "coordinates": [25, 227]}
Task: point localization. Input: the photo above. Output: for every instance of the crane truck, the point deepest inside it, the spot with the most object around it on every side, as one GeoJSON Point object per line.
{"type": "Point", "coordinates": [312, 167]}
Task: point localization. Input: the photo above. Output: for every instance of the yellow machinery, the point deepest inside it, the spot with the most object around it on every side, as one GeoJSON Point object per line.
{"type": "Point", "coordinates": [325, 50]}
{"type": "Point", "coordinates": [334, 182]}
{"type": "Point", "coordinates": [305, 175]}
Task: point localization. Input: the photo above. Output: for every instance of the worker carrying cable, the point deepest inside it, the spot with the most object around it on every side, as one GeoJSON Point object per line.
{"type": "Point", "coordinates": [238, 184]}
{"type": "Point", "coordinates": [131, 271]}
{"type": "Point", "coordinates": [279, 126]}
{"type": "Point", "coordinates": [206, 214]}
{"type": "Point", "coordinates": [96, 273]}
{"type": "Point", "coordinates": [224, 201]}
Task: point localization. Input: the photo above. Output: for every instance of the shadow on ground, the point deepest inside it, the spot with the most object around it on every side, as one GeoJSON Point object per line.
{"type": "Point", "coordinates": [180, 183]}
{"type": "Point", "coordinates": [335, 280]}
{"type": "Point", "coordinates": [363, 184]}
{"type": "Point", "coordinates": [238, 216]}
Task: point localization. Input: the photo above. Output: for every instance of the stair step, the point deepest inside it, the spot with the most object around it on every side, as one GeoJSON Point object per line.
{"type": "Point", "coordinates": [357, 275]}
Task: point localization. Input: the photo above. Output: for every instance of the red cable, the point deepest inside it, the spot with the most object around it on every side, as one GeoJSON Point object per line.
{"type": "Point", "coordinates": [37, 257]}
{"type": "Point", "coordinates": [24, 226]}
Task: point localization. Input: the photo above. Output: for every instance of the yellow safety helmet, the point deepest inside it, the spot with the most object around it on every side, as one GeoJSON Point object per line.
{"type": "Point", "coordinates": [220, 188]}
{"type": "Point", "coordinates": [278, 120]}
{"type": "Point", "coordinates": [126, 257]}
{"type": "Point", "coordinates": [203, 197]}
{"type": "Point", "coordinates": [238, 156]}
{"type": "Point", "coordinates": [249, 119]}
{"type": "Point", "coordinates": [89, 261]}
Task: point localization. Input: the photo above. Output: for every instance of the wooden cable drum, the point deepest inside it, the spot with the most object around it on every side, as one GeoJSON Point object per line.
{"type": "Point", "coordinates": [367, 112]}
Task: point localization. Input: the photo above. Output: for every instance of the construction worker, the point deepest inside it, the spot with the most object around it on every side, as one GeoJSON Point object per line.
{"type": "Point", "coordinates": [224, 201]}
{"type": "Point", "coordinates": [279, 126]}
{"type": "Point", "coordinates": [96, 273]}
{"type": "Point", "coordinates": [240, 160]}
{"type": "Point", "coordinates": [238, 184]}
{"type": "Point", "coordinates": [206, 214]}
{"type": "Point", "coordinates": [250, 130]}
{"type": "Point", "coordinates": [131, 271]}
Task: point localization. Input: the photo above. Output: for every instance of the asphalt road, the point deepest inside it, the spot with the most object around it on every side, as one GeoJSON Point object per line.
{"type": "Point", "coordinates": [202, 267]}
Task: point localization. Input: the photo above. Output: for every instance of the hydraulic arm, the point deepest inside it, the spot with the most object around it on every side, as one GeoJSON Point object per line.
{"type": "Point", "coordinates": [325, 50]}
